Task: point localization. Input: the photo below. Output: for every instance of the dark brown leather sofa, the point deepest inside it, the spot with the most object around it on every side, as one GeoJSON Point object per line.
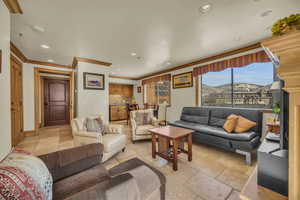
{"type": "Point", "coordinates": [78, 174]}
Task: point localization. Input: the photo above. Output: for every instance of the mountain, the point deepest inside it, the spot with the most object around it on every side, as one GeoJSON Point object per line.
{"type": "Point", "coordinates": [238, 87]}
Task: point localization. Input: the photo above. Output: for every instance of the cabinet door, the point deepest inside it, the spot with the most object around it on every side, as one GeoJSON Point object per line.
{"type": "Point", "coordinates": [122, 112]}
{"type": "Point", "coordinates": [114, 114]}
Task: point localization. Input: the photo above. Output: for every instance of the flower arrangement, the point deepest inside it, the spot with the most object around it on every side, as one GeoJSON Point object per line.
{"type": "Point", "coordinates": [286, 24]}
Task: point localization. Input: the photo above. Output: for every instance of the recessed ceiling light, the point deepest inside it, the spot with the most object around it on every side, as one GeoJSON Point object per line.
{"type": "Point", "coordinates": [38, 29]}
{"type": "Point", "coordinates": [266, 13]}
{"type": "Point", "coordinates": [50, 60]}
{"type": "Point", "coordinates": [205, 8]}
{"type": "Point", "coordinates": [133, 54]}
{"type": "Point", "coordinates": [45, 46]}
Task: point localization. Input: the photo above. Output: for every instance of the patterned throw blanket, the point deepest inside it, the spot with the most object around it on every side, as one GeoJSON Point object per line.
{"type": "Point", "coordinates": [24, 177]}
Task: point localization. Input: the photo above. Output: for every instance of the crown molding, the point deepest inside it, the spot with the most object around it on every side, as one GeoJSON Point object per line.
{"type": "Point", "coordinates": [88, 60]}
{"type": "Point", "coordinates": [123, 77]}
{"type": "Point", "coordinates": [48, 64]}
{"type": "Point", "coordinates": [17, 52]}
{"type": "Point", "coordinates": [13, 6]}
{"type": "Point", "coordinates": [204, 60]}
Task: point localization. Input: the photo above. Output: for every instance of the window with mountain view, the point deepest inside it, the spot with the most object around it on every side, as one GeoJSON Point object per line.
{"type": "Point", "coordinates": [247, 86]}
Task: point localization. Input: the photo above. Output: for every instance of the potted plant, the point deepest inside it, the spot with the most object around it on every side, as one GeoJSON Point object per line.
{"type": "Point", "coordinates": [276, 111]}
{"type": "Point", "coordinates": [286, 24]}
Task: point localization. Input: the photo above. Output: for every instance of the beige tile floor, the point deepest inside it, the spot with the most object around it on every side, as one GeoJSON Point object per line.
{"type": "Point", "coordinates": [213, 174]}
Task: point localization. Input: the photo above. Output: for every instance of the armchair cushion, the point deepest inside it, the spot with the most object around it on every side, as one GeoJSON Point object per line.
{"type": "Point", "coordinates": [143, 130]}
{"type": "Point", "coordinates": [95, 125]}
{"type": "Point", "coordinates": [113, 141]}
{"type": "Point", "coordinates": [113, 129]}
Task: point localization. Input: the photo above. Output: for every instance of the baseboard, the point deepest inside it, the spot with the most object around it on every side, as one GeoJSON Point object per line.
{"type": "Point", "coordinates": [29, 133]}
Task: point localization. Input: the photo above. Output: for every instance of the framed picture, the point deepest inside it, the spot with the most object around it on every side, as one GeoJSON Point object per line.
{"type": "Point", "coordinates": [93, 81]}
{"type": "Point", "coordinates": [0, 61]}
{"type": "Point", "coordinates": [183, 80]}
{"type": "Point", "coordinates": [139, 89]}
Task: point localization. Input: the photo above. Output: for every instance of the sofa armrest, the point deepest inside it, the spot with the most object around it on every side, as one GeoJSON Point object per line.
{"type": "Point", "coordinates": [62, 164]}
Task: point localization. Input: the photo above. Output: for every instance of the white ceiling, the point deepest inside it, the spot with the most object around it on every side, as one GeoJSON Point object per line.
{"type": "Point", "coordinates": [159, 31]}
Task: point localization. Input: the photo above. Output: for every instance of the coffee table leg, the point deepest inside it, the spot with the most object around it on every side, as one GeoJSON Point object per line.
{"type": "Point", "coordinates": [175, 151]}
{"type": "Point", "coordinates": [190, 154]}
{"type": "Point", "coordinates": [153, 146]}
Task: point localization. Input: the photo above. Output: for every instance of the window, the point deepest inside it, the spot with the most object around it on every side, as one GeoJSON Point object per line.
{"type": "Point", "coordinates": [157, 92]}
{"type": "Point", "coordinates": [247, 86]}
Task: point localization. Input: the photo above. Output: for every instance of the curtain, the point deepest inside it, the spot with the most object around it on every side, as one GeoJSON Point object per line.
{"type": "Point", "coordinates": [241, 61]}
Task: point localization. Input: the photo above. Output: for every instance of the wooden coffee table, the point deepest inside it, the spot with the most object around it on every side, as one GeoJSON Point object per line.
{"type": "Point", "coordinates": [171, 142]}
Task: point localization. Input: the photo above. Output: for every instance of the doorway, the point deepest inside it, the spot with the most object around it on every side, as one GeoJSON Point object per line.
{"type": "Point", "coordinates": [56, 101]}
{"type": "Point", "coordinates": [54, 97]}
{"type": "Point", "coordinates": [16, 73]}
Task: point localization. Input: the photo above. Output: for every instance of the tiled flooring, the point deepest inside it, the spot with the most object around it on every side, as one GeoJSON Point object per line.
{"type": "Point", "coordinates": [213, 174]}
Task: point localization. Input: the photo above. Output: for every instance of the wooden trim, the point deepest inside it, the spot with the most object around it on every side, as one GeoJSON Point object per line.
{"type": "Point", "coordinates": [29, 133]}
{"type": "Point", "coordinates": [204, 60]}
{"type": "Point", "coordinates": [267, 111]}
{"type": "Point", "coordinates": [13, 6]}
{"type": "Point", "coordinates": [48, 64]}
{"type": "Point", "coordinates": [123, 77]}
{"type": "Point", "coordinates": [197, 90]}
{"type": "Point", "coordinates": [75, 63]}
{"type": "Point", "coordinates": [92, 61]}
{"type": "Point", "coordinates": [17, 52]}
{"type": "Point", "coordinates": [37, 92]}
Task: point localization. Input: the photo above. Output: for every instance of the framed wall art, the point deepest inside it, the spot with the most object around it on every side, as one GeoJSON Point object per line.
{"type": "Point", "coordinates": [93, 81]}
{"type": "Point", "coordinates": [183, 80]}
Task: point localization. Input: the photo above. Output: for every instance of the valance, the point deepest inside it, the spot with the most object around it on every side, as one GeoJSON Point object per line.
{"type": "Point", "coordinates": [241, 61]}
{"type": "Point", "coordinates": [166, 77]}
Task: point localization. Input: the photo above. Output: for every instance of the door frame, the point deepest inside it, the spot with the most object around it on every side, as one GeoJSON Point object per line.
{"type": "Point", "coordinates": [38, 91]}
{"type": "Point", "coordinates": [43, 78]}
{"type": "Point", "coordinates": [14, 59]}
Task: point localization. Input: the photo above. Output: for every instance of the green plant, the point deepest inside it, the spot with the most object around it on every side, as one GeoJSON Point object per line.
{"type": "Point", "coordinates": [276, 110]}
{"type": "Point", "coordinates": [285, 24]}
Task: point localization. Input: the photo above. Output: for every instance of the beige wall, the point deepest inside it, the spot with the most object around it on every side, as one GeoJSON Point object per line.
{"type": "Point", "coordinates": [92, 102]}
{"type": "Point", "coordinates": [5, 119]}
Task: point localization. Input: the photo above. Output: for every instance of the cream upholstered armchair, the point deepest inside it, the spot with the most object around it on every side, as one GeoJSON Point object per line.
{"type": "Point", "coordinates": [112, 137]}
{"type": "Point", "coordinates": [141, 122]}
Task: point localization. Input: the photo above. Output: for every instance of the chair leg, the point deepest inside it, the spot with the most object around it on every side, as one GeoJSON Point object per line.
{"type": "Point", "coordinates": [123, 150]}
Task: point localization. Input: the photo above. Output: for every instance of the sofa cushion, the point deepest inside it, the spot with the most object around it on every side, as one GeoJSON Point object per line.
{"type": "Point", "coordinates": [195, 115]}
{"type": "Point", "coordinates": [219, 113]}
{"type": "Point", "coordinates": [113, 141]}
{"type": "Point", "coordinates": [24, 176]}
{"type": "Point", "coordinates": [215, 121]}
{"type": "Point", "coordinates": [79, 182]}
{"type": "Point", "coordinates": [220, 132]}
{"type": "Point", "coordinates": [216, 131]}
{"type": "Point", "coordinates": [143, 130]}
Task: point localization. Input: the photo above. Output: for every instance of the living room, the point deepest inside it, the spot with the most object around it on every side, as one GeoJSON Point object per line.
{"type": "Point", "coordinates": [220, 86]}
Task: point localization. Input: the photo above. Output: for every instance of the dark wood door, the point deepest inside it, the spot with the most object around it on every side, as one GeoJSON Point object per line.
{"type": "Point", "coordinates": [56, 102]}
{"type": "Point", "coordinates": [16, 101]}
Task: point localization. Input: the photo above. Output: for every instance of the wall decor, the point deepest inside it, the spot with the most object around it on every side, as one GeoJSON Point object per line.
{"type": "Point", "coordinates": [0, 61]}
{"type": "Point", "coordinates": [183, 80]}
{"type": "Point", "coordinates": [93, 81]}
{"type": "Point", "coordinates": [139, 89]}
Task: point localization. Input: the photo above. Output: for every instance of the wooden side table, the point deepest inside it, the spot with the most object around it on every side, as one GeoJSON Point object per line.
{"type": "Point", "coordinates": [171, 142]}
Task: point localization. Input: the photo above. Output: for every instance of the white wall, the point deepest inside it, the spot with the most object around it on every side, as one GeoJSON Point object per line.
{"type": "Point", "coordinates": [5, 120]}
{"type": "Point", "coordinates": [28, 93]}
{"type": "Point", "coordinates": [92, 102]}
{"type": "Point", "coordinates": [122, 81]}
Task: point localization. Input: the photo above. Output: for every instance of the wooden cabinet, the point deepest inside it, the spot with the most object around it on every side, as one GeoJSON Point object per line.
{"type": "Point", "coordinates": [118, 112]}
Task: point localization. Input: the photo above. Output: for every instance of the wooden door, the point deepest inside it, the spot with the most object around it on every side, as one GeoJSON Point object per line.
{"type": "Point", "coordinates": [56, 102]}
{"type": "Point", "coordinates": [16, 101]}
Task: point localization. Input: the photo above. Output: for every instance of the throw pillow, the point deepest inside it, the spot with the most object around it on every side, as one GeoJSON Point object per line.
{"type": "Point", "coordinates": [147, 118]}
{"type": "Point", "coordinates": [243, 124]}
{"type": "Point", "coordinates": [230, 123]}
{"type": "Point", "coordinates": [24, 177]}
{"type": "Point", "coordinates": [94, 125]}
